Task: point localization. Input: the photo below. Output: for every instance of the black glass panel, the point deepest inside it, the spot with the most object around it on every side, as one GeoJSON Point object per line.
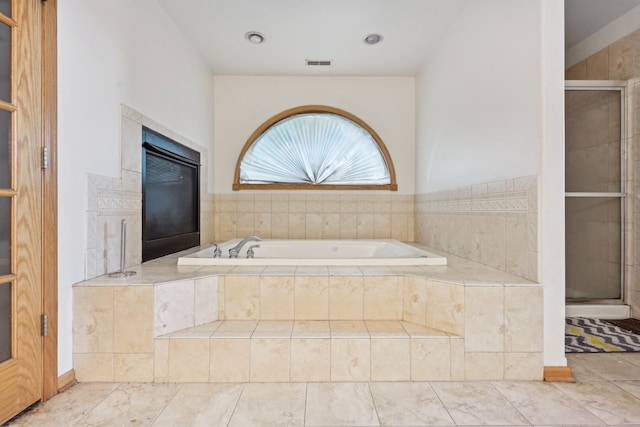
{"type": "Point", "coordinates": [5, 63]}
{"type": "Point", "coordinates": [5, 7]}
{"type": "Point", "coordinates": [170, 200]}
{"type": "Point", "coordinates": [5, 149]}
{"type": "Point", "coordinates": [5, 321]}
{"type": "Point", "coordinates": [5, 235]}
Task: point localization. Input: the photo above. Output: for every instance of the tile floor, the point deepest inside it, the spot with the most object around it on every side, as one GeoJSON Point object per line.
{"type": "Point", "coordinates": [607, 392]}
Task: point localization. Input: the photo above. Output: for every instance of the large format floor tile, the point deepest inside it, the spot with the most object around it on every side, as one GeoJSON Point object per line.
{"type": "Point", "coordinates": [477, 403]}
{"type": "Point", "coordinates": [409, 404]}
{"type": "Point", "coordinates": [600, 397]}
{"type": "Point", "coordinates": [132, 405]}
{"type": "Point", "coordinates": [605, 400]}
{"type": "Point", "coordinates": [340, 404]}
{"type": "Point", "coordinates": [201, 405]}
{"type": "Point", "coordinates": [605, 366]}
{"type": "Point", "coordinates": [270, 405]}
{"type": "Point", "coordinates": [66, 408]}
{"type": "Point", "coordinates": [543, 404]}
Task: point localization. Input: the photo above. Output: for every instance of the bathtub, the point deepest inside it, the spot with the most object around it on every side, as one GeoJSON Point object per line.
{"type": "Point", "coordinates": [318, 252]}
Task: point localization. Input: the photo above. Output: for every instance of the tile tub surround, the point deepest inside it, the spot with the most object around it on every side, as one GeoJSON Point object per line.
{"type": "Point", "coordinates": [282, 215]}
{"type": "Point", "coordinates": [492, 223]}
{"type": "Point", "coordinates": [201, 324]}
{"type": "Point", "coordinates": [110, 200]}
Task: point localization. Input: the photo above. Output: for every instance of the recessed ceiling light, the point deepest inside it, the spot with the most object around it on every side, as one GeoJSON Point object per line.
{"type": "Point", "coordinates": [254, 37]}
{"type": "Point", "coordinates": [372, 38]}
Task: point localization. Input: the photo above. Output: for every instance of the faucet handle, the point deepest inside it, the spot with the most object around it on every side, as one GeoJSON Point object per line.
{"type": "Point", "coordinates": [217, 253]}
{"type": "Point", "coordinates": [250, 253]}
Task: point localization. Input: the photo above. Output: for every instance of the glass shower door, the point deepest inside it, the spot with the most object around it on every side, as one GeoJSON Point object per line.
{"type": "Point", "coordinates": [594, 191]}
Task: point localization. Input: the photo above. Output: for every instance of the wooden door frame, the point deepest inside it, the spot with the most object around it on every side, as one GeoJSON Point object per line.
{"type": "Point", "coordinates": [49, 46]}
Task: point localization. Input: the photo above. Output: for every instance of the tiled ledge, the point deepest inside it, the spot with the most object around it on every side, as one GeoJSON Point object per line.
{"type": "Point", "coordinates": [458, 271]}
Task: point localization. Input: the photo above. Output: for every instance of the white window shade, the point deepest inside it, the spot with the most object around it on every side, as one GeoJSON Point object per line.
{"type": "Point", "coordinates": [316, 148]}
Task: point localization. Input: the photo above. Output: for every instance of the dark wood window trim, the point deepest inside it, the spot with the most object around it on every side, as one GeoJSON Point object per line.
{"type": "Point", "coordinates": [237, 185]}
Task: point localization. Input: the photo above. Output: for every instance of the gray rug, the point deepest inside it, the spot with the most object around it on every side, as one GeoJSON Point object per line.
{"type": "Point", "coordinates": [584, 335]}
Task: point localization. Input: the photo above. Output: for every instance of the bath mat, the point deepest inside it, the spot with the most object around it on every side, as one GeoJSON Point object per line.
{"type": "Point", "coordinates": [631, 325]}
{"type": "Point", "coordinates": [584, 335]}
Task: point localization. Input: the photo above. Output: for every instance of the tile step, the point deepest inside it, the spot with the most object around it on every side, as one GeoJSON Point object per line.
{"type": "Point", "coordinates": [302, 351]}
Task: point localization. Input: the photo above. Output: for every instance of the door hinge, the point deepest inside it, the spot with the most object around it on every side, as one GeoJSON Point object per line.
{"type": "Point", "coordinates": [45, 157]}
{"type": "Point", "coordinates": [45, 325]}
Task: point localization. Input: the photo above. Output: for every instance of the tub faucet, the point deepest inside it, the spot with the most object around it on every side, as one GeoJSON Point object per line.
{"type": "Point", "coordinates": [234, 251]}
{"type": "Point", "coordinates": [250, 253]}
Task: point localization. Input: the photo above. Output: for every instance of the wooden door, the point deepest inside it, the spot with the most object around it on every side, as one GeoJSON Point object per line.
{"type": "Point", "coordinates": [21, 343]}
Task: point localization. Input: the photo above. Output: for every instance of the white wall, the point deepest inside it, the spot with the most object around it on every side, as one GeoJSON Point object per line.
{"type": "Point", "coordinates": [552, 241]}
{"type": "Point", "coordinates": [490, 107]}
{"type": "Point", "coordinates": [111, 53]}
{"type": "Point", "coordinates": [478, 99]}
{"type": "Point", "coordinates": [242, 104]}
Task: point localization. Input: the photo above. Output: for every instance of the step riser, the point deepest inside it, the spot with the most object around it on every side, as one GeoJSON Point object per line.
{"type": "Point", "coordinates": [309, 359]}
{"type": "Point", "coordinates": [433, 304]}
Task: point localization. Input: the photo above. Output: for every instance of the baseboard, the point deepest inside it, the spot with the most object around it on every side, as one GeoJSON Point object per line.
{"type": "Point", "coordinates": [66, 380]}
{"type": "Point", "coordinates": [598, 311]}
{"type": "Point", "coordinates": [558, 374]}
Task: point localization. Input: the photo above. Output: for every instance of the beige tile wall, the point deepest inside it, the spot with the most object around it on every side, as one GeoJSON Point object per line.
{"type": "Point", "coordinates": [114, 327]}
{"type": "Point", "coordinates": [282, 215]}
{"type": "Point", "coordinates": [618, 61]}
{"type": "Point", "coordinates": [100, 351]}
{"type": "Point", "coordinates": [494, 223]}
{"type": "Point", "coordinates": [621, 61]}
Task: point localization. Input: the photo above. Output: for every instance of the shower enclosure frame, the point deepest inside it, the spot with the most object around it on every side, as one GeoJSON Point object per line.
{"type": "Point", "coordinates": [622, 87]}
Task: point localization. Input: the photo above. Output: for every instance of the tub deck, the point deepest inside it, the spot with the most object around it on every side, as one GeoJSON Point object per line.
{"type": "Point", "coordinates": [387, 252]}
{"type": "Point", "coordinates": [173, 323]}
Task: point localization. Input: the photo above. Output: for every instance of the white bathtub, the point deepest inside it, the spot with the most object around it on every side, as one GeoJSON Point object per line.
{"type": "Point", "coordinates": [318, 252]}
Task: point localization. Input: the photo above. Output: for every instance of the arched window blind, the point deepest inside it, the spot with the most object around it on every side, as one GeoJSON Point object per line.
{"type": "Point", "coordinates": [314, 147]}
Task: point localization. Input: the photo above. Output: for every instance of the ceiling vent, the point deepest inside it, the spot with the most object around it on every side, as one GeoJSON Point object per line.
{"type": "Point", "coordinates": [316, 63]}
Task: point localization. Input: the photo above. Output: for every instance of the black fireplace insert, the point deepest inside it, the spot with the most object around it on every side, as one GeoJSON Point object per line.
{"type": "Point", "coordinates": [170, 196]}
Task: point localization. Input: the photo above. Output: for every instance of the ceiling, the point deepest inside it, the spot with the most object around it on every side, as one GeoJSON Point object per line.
{"type": "Point", "coordinates": [300, 30]}
{"type": "Point", "coordinates": [297, 30]}
{"type": "Point", "coordinates": [585, 17]}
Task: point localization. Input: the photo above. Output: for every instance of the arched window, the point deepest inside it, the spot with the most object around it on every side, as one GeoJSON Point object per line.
{"type": "Point", "coordinates": [314, 147]}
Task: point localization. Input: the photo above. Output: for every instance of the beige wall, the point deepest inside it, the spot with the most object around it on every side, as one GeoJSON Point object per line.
{"type": "Point", "coordinates": [621, 61]}
{"type": "Point", "coordinates": [243, 103]}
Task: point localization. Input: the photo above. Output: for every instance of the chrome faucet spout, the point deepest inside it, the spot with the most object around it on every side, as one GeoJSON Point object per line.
{"type": "Point", "coordinates": [234, 251]}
